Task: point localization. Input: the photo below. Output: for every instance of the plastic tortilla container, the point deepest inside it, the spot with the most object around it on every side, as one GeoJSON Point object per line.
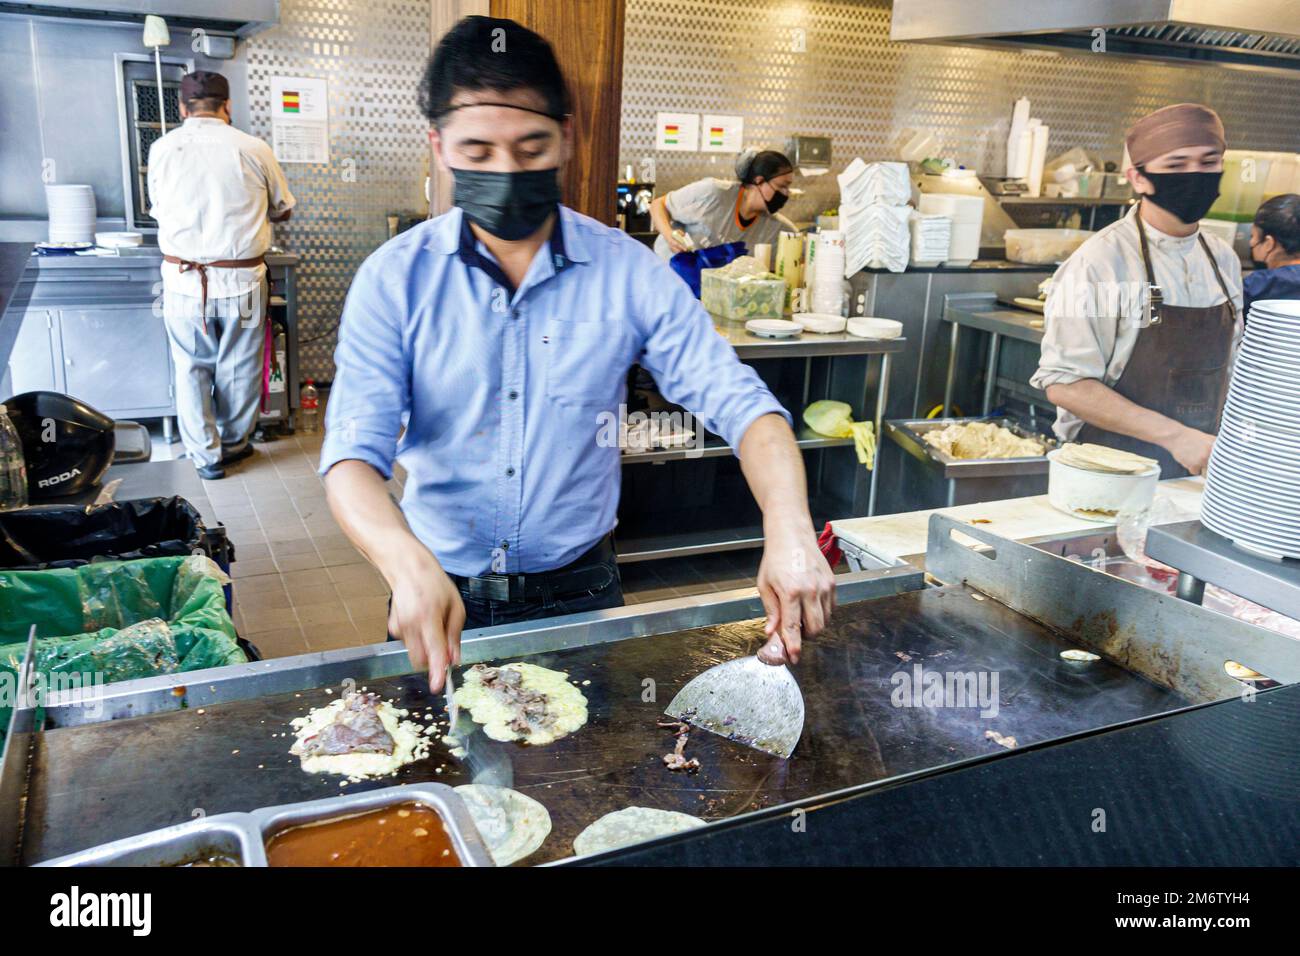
{"type": "Point", "coordinates": [866, 327]}
{"type": "Point", "coordinates": [1097, 495]}
{"type": "Point", "coordinates": [820, 322]}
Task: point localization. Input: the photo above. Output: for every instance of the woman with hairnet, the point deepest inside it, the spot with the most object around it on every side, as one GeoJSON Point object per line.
{"type": "Point", "coordinates": [713, 212]}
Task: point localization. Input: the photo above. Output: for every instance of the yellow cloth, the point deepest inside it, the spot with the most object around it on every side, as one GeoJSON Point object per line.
{"type": "Point", "coordinates": [835, 420]}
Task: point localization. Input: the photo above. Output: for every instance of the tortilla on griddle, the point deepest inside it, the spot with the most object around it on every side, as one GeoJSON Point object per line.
{"type": "Point", "coordinates": [524, 702]}
{"type": "Point", "coordinates": [512, 825]}
{"type": "Point", "coordinates": [629, 826]}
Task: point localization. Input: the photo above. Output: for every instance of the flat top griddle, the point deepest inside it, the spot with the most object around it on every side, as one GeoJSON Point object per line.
{"type": "Point", "coordinates": [100, 782]}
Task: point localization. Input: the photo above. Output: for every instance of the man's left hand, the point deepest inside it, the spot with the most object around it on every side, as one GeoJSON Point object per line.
{"type": "Point", "coordinates": [797, 587]}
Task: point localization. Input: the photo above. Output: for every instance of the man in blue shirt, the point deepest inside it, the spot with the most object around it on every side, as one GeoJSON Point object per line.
{"type": "Point", "coordinates": [488, 349]}
{"type": "Point", "coordinates": [1275, 250]}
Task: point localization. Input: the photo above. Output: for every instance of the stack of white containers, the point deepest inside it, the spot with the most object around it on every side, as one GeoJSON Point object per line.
{"type": "Point", "coordinates": [967, 215]}
{"type": "Point", "coordinates": [931, 238]}
{"type": "Point", "coordinates": [826, 285]}
{"type": "Point", "coordinates": [874, 216]}
{"type": "Point", "coordinates": [72, 213]}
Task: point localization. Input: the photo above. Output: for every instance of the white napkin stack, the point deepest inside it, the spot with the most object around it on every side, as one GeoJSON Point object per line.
{"type": "Point", "coordinates": [874, 216]}
{"type": "Point", "coordinates": [931, 238]}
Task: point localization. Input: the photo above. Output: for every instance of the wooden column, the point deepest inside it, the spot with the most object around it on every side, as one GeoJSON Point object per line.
{"type": "Point", "coordinates": [445, 15]}
{"type": "Point", "coordinates": [587, 36]}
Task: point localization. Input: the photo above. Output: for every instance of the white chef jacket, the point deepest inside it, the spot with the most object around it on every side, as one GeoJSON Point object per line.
{"type": "Point", "coordinates": [1099, 297]}
{"type": "Point", "coordinates": [706, 209]}
{"type": "Point", "coordinates": [211, 187]}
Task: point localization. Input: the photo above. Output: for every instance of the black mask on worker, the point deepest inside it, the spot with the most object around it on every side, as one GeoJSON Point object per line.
{"type": "Point", "coordinates": [1188, 196]}
{"type": "Point", "coordinates": [510, 206]}
{"type": "Point", "coordinates": [778, 200]}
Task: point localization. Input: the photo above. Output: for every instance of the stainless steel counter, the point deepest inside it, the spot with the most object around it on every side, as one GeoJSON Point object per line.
{"type": "Point", "coordinates": [981, 312]}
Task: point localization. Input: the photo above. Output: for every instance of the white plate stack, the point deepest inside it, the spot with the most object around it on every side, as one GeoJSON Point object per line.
{"type": "Point", "coordinates": [874, 216]}
{"type": "Point", "coordinates": [72, 213]}
{"type": "Point", "coordinates": [967, 215]}
{"type": "Point", "coordinates": [1252, 485]}
{"type": "Point", "coordinates": [931, 238]}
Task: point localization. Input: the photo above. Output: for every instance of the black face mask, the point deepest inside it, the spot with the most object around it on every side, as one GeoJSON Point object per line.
{"type": "Point", "coordinates": [778, 200]}
{"type": "Point", "coordinates": [1188, 196]}
{"type": "Point", "coordinates": [510, 206]}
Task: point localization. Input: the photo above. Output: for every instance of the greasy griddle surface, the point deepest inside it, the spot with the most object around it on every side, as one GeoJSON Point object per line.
{"type": "Point", "coordinates": [99, 783]}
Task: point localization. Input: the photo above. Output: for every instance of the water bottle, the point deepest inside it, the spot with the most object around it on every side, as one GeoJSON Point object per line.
{"type": "Point", "coordinates": [309, 409]}
{"type": "Point", "coordinates": [13, 468]}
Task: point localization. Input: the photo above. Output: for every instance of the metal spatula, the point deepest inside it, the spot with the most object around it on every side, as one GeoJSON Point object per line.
{"type": "Point", "coordinates": [746, 700]}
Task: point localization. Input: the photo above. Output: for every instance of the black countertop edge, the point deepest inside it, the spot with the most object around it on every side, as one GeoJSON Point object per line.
{"type": "Point", "coordinates": [1210, 785]}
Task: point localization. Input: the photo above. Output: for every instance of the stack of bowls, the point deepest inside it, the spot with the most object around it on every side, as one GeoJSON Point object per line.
{"type": "Point", "coordinates": [1252, 485]}
{"type": "Point", "coordinates": [72, 213]}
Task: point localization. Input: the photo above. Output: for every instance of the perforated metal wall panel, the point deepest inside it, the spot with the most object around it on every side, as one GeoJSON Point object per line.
{"type": "Point", "coordinates": [372, 52]}
{"type": "Point", "coordinates": [852, 84]}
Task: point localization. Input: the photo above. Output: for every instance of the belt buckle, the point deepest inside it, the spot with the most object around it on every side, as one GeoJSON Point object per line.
{"type": "Point", "coordinates": [502, 587]}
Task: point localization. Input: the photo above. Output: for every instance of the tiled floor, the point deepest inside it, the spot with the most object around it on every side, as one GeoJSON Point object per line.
{"type": "Point", "coordinates": [300, 586]}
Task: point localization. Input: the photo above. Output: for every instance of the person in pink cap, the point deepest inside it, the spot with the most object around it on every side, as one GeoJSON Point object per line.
{"type": "Point", "coordinates": [1143, 318]}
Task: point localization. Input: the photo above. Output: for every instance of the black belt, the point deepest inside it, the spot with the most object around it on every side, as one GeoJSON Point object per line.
{"type": "Point", "coordinates": [590, 572]}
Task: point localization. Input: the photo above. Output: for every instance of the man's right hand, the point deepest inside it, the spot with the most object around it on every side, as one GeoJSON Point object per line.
{"type": "Point", "coordinates": [427, 615]}
{"type": "Point", "coordinates": [1191, 449]}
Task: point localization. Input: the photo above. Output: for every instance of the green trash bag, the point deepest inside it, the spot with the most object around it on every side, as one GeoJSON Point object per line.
{"type": "Point", "coordinates": [115, 620]}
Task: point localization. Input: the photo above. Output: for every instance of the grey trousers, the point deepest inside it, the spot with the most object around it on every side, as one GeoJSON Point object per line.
{"type": "Point", "coordinates": [218, 372]}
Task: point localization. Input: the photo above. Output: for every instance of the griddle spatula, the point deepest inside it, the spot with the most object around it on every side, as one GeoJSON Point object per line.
{"type": "Point", "coordinates": [746, 700]}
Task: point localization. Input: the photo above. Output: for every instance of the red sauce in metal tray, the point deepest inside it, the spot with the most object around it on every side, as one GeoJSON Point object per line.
{"type": "Point", "coordinates": [405, 834]}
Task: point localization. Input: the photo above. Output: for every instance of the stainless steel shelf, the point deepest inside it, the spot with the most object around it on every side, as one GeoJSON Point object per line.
{"type": "Point", "coordinates": [750, 346]}
{"type": "Point", "coordinates": [710, 540]}
{"type": "Point", "coordinates": [805, 438]}
{"type": "Point", "coordinates": [1203, 557]}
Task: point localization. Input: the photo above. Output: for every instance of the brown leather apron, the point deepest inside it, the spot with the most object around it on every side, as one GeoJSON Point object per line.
{"type": "Point", "coordinates": [1179, 365]}
{"type": "Point", "coordinates": [268, 345]}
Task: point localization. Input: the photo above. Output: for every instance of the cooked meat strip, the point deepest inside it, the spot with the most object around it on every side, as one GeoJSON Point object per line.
{"type": "Point", "coordinates": [529, 707]}
{"type": "Point", "coordinates": [356, 729]}
{"type": "Point", "coordinates": [677, 759]}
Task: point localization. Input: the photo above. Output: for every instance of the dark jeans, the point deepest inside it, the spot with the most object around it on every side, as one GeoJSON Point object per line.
{"type": "Point", "coordinates": [485, 613]}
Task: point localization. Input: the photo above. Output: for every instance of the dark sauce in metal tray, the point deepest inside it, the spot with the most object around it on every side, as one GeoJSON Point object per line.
{"type": "Point", "coordinates": [405, 834]}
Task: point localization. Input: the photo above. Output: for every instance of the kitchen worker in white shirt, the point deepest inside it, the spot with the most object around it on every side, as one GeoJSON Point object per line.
{"type": "Point", "coordinates": [714, 212]}
{"type": "Point", "coordinates": [215, 192]}
{"type": "Point", "coordinates": [1142, 320]}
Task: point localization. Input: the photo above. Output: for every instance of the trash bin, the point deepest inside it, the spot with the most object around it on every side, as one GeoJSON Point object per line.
{"type": "Point", "coordinates": [68, 536]}
{"type": "Point", "coordinates": [117, 620]}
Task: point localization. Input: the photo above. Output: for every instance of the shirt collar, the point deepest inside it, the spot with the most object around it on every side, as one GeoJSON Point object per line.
{"type": "Point", "coordinates": [1163, 239]}
{"type": "Point", "coordinates": [455, 236]}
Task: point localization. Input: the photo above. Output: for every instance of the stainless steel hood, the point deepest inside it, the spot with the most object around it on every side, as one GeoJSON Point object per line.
{"type": "Point", "coordinates": [1255, 34]}
{"type": "Point", "coordinates": [241, 17]}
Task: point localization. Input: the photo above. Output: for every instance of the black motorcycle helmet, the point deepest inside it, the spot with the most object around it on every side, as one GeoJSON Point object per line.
{"type": "Point", "coordinates": [67, 444]}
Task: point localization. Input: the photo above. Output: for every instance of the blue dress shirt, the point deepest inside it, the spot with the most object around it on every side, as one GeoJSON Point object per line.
{"type": "Point", "coordinates": [505, 394]}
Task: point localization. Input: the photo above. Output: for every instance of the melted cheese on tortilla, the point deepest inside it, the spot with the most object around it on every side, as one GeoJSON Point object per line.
{"type": "Point", "coordinates": [409, 743]}
{"type": "Point", "coordinates": [564, 702]}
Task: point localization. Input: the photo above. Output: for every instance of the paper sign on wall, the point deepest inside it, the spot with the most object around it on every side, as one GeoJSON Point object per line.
{"type": "Point", "coordinates": [677, 131]}
{"type": "Point", "coordinates": [300, 130]}
{"type": "Point", "coordinates": [721, 134]}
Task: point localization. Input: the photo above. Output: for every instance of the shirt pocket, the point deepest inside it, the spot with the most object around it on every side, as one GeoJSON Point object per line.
{"type": "Point", "coordinates": [586, 362]}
